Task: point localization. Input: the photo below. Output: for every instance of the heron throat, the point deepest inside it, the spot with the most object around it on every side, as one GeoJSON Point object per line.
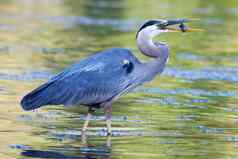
{"type": "Point", "coordinates": [158, 50]}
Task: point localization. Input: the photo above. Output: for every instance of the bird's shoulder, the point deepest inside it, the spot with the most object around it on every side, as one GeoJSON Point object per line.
{"type": "Point", "coordinates": [108, 56]}
{"type": "Point", "coordinates": [107, 61]}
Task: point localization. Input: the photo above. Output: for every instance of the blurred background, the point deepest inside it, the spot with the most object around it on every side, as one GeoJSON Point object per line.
{"type": "Point", "coordinates": [190, 111]}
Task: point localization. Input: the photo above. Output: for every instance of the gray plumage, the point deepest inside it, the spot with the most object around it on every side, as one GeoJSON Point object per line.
{"type": "Point", "coordinates": [93, 81]}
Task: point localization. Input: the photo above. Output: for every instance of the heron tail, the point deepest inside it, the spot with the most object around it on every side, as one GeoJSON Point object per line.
{"type": "Point", "coordinates": [36, 98]}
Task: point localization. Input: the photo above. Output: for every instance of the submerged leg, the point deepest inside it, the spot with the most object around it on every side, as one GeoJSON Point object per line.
{"type": "Point", "coordinates": [89, 115]}
{"type": "Point", "coordinates": [108, 113]}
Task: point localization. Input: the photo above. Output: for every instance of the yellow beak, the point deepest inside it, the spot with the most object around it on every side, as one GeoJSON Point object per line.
{"type": "Point", "coordinates": [170, 29]}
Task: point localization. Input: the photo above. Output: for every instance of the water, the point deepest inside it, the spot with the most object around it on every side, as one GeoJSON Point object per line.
{"type": "Point", "coordinates": [190, 111]}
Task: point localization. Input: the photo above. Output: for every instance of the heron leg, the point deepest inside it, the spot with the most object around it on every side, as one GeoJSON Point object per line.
{"type": "Point", "coordinates": [84, 138]}
{"type": "Point", "coordinates": [108, 113]}
{"type": "Point", "coordinates": [88, 117]}
{"type": "Point", "coordinates": [108, 143]}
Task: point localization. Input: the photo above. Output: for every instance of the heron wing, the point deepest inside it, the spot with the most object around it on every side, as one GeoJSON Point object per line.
{"type": "Point", "coordinates": [92, 81]}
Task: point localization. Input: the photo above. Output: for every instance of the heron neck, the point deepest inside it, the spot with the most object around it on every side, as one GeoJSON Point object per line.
{"type": "Point", "coordinates": [152, 49]}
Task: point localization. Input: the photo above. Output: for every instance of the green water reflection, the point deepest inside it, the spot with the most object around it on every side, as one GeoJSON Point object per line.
{"type": "Point", "coordinates": [190, 111]}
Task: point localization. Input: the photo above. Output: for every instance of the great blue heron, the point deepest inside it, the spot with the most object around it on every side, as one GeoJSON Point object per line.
{"type": "Point", "coordinates": [100, 79]}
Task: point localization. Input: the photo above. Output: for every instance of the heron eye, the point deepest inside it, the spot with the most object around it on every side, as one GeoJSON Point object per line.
{"type": "Point", "coordinates": [128, 66]}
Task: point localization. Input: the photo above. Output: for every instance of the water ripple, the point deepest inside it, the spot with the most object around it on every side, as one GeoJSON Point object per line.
{"type": "Point", "coordinates": [7, 27]}
{"type": "Point", "coordinates": [19, 146]}
{"type": "Point", "coordinates": [72, 21]}
{"type": "Point", "coordinates": [195, 57]}
{"type": "Point", "coordinates": [233, 138]}
{"type": "Point", "coordinates": [209, 130]}
{"type": "Point", "coordinates": [73, 134]}
{"type": "Point", "coordinates": [27, 76]}
{"type": "Point", "coordinates": [114, 118]}
{"type": "Point", "coordinates": [171, 101]}
{"type": "Point", "coordinates": [194, 92]}
{"type": "Point", "coordinates": [210, 73]}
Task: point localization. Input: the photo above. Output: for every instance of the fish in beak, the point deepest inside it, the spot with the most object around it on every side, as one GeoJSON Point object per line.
{"type": "Point", "coordinates": [180, 23]}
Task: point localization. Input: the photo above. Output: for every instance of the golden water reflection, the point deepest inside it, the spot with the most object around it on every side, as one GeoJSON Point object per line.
{"type": "Point", "coordinates": [190, 111]}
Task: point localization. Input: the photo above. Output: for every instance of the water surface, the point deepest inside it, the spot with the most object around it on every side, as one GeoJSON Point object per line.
{"type": "Point", "coordinates": [190, 111]}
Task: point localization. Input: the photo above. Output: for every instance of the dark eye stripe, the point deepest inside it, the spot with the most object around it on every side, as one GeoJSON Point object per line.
{"type": "Point", "coordinates": [149, 23]}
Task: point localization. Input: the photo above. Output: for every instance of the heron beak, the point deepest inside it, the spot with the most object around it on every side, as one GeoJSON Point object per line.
{"type": "Point", "coordinates": [182, 27]}
{"type": "Point", "coordinates": [170, 29]}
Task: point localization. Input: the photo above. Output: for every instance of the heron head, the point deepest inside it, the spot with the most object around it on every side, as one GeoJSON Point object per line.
{"type": "Point", "coordinates": [155, 27]}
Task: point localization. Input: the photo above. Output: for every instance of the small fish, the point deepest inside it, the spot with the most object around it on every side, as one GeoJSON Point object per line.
{"type": "Point", "coordinates": [183, 27]}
